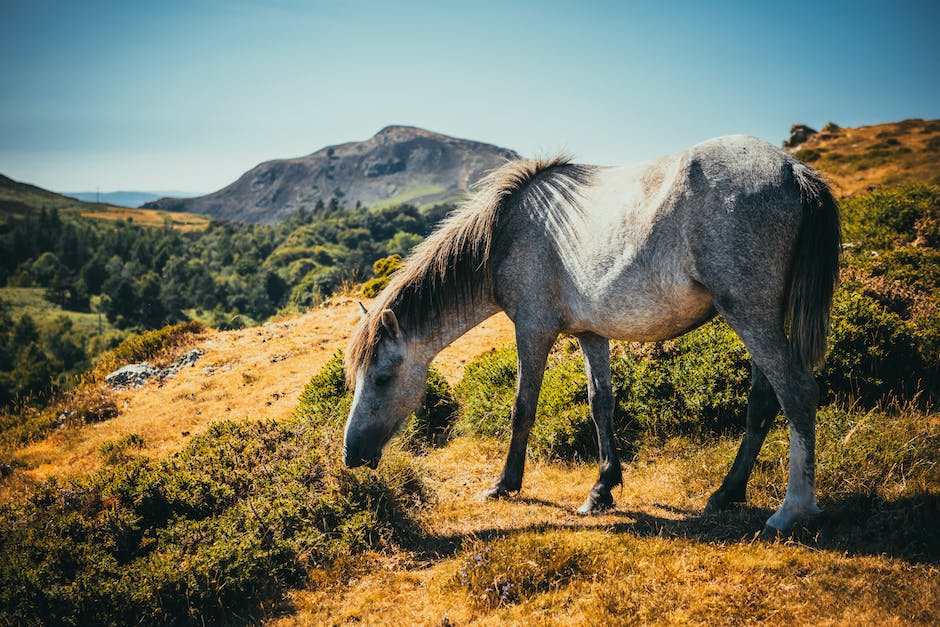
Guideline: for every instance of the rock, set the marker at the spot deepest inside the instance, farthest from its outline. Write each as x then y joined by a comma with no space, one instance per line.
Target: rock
186,359
132,375
799,133
135,375
831,127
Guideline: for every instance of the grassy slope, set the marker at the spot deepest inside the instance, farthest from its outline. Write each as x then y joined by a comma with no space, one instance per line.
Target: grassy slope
251,373
655,558
31,301
20,198
855,159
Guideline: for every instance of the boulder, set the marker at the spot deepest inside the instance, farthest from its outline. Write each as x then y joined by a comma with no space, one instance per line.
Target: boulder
132,375
799,133
135,375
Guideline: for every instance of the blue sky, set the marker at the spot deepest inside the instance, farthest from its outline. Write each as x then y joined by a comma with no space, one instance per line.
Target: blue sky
187,95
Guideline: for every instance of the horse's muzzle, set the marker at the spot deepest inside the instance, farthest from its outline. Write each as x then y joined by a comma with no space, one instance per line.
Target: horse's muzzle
353,458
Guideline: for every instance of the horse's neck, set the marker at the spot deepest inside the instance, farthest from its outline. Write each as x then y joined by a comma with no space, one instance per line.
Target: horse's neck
451,325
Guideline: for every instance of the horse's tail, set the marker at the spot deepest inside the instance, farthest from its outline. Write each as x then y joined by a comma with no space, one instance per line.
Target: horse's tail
814,272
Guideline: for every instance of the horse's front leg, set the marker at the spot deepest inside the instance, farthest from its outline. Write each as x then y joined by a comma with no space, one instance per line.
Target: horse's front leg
533,349
596,352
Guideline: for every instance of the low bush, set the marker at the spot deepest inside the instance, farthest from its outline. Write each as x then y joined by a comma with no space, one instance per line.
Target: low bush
891,216
431,424
116,451
513,569
873,354
217,532
697,383
325,397
485,393
383,269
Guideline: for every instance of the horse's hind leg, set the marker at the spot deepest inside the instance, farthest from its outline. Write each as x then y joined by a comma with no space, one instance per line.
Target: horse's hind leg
601,397
798,395
762,406
533,349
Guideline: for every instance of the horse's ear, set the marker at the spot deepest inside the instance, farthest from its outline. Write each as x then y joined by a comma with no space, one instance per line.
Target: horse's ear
365,312
390,323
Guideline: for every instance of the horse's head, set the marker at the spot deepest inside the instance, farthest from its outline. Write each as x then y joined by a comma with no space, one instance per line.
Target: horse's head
387,389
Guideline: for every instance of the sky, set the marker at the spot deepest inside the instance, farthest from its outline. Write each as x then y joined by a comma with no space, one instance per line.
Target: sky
189,94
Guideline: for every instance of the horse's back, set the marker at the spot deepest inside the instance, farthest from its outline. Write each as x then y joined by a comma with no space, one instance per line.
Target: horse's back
641,248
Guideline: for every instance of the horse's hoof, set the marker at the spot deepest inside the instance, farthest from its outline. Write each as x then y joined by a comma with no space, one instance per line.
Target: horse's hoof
722,499
596,503
496,492
784,518
771,534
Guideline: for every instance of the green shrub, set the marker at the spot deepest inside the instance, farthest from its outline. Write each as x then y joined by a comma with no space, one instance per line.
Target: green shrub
116,451
216,533
694,384
431,424
873,353
890,216
384,269
808,154
485,393
699,382
325,397
563,427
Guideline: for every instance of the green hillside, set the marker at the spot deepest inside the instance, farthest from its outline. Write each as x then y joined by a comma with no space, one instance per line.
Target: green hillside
140,269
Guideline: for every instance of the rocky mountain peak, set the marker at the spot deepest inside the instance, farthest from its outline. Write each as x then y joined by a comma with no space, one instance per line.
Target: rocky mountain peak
398,164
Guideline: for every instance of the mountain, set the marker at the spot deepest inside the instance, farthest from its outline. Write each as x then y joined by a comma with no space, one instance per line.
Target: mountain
125,199
399,164
17,197
858,159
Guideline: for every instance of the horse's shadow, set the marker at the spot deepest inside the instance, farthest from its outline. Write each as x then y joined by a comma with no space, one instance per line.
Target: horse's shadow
855,525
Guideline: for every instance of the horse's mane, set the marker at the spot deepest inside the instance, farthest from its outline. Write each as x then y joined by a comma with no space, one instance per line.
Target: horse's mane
450,268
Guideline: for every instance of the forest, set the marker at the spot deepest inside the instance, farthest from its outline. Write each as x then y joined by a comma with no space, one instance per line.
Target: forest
138,278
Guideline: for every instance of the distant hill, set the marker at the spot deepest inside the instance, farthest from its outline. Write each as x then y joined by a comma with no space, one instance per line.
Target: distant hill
125,199
399,164
23,199
17,197
857,159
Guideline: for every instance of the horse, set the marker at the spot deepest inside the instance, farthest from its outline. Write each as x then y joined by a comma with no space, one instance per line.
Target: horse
732,226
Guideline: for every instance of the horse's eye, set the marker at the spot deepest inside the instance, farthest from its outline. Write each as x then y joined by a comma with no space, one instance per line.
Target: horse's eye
382,379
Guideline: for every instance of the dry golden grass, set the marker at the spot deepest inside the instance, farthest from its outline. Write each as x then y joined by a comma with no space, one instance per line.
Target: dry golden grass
150,218
653,560
906,157
249,373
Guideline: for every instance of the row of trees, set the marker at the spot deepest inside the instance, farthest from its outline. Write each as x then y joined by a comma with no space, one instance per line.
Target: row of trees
143,278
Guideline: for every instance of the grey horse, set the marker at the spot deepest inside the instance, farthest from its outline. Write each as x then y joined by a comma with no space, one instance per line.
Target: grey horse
732,226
